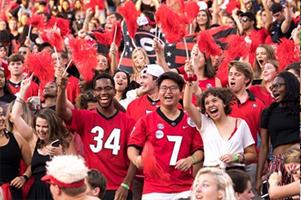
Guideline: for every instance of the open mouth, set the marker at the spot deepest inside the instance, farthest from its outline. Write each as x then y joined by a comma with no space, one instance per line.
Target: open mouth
276,96
104,100
261,61
232,84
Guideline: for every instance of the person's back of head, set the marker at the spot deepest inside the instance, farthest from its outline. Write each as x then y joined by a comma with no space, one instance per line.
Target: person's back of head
96,183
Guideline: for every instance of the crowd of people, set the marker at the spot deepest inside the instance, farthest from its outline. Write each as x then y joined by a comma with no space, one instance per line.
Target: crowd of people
149,99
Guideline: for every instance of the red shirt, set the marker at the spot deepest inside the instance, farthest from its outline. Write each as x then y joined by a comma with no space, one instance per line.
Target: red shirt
33,89
105,143
72,89
206,84
263,94
172,141
141,106
250,111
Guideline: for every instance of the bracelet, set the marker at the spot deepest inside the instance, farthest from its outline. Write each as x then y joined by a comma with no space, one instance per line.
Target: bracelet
124,185
193,159
25,177
235,158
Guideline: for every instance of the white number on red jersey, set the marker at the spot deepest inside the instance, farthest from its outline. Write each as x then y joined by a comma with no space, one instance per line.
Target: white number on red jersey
176,148
112,141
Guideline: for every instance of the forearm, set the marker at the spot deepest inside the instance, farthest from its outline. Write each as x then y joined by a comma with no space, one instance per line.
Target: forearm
61,104
197,156
263,154
280,192
130,174
133,153
249,158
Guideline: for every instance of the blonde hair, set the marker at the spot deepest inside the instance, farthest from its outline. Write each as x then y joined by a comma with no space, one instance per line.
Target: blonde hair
140,49
292,155
224,182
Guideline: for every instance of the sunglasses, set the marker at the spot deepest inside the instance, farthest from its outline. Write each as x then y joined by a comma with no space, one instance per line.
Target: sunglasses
244,19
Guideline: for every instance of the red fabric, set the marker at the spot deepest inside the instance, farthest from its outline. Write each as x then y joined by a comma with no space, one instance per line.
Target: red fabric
141,106
6,191
261,93
250,111
52,180
33,89
73,89
105,143
4,65
165,139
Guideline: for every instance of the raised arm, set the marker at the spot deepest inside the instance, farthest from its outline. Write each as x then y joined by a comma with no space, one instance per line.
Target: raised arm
62,108
187,99
21,126
285,26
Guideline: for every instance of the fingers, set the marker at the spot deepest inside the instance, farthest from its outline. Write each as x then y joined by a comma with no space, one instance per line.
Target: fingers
18,182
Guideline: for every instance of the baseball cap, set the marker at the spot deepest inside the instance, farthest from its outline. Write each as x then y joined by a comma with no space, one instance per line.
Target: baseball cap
67,176
276,7
142,20
153,69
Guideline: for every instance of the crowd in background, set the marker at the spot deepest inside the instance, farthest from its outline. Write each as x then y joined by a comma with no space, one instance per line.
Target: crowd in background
150,99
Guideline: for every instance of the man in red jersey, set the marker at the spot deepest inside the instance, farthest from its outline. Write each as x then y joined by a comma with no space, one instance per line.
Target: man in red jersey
104,132
247,106
149,101
16,68
176,142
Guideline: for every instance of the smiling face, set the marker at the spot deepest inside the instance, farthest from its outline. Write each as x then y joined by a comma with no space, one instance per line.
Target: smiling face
121,81
214,107
102,64
169,93
104,92
202,18
198,58
278,89
269,72
207,188
42,129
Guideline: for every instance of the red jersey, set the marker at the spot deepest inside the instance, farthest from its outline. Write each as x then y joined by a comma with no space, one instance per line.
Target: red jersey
263,94
206,84
33,89
105,142
72,89
172,141
141,106
250,111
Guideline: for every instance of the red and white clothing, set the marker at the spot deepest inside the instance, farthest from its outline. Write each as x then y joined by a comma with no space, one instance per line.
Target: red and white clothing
105,142
172,141
263,94
33,89
142,106
216,146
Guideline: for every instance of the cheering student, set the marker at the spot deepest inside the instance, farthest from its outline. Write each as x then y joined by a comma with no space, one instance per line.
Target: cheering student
177,145
104,133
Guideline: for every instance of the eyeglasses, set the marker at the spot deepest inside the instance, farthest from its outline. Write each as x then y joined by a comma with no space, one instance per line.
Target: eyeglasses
22,52
276,86
244,19
164,89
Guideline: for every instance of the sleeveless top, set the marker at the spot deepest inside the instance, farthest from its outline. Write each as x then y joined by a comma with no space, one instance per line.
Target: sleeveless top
10,156
38,163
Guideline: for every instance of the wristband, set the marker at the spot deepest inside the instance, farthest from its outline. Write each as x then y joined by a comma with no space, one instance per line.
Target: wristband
193,159
25,177
124,185
235,158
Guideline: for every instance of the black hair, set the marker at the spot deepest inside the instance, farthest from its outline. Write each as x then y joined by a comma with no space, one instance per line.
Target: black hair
209,16
294,66
15,58
102,76
6,89
128,77
44,45
223,93
97,179
240,179
171,76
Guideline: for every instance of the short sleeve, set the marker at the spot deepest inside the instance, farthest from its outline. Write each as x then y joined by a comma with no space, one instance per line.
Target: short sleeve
264,119
247,138
76,123
138,135
197,142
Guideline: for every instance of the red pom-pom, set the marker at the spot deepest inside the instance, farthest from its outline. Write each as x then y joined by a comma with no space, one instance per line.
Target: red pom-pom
54,38
287,53
191,10
84,57
118,36
41,65
62,24
172,24
37,21
93,3
207,45
130,14
176,5
103,38
233,4
150,164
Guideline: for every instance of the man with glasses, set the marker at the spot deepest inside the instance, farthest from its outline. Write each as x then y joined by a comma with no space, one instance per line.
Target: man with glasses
176,144
104,132
283,24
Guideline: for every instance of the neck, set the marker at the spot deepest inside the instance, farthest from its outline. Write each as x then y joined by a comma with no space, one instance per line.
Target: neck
153,94
81,196
249,31
170,112
200,74
118,95
16,79
222,120
50,101
242,95
109,111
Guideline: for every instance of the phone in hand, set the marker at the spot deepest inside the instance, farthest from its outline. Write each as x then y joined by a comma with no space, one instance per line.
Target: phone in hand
56,143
